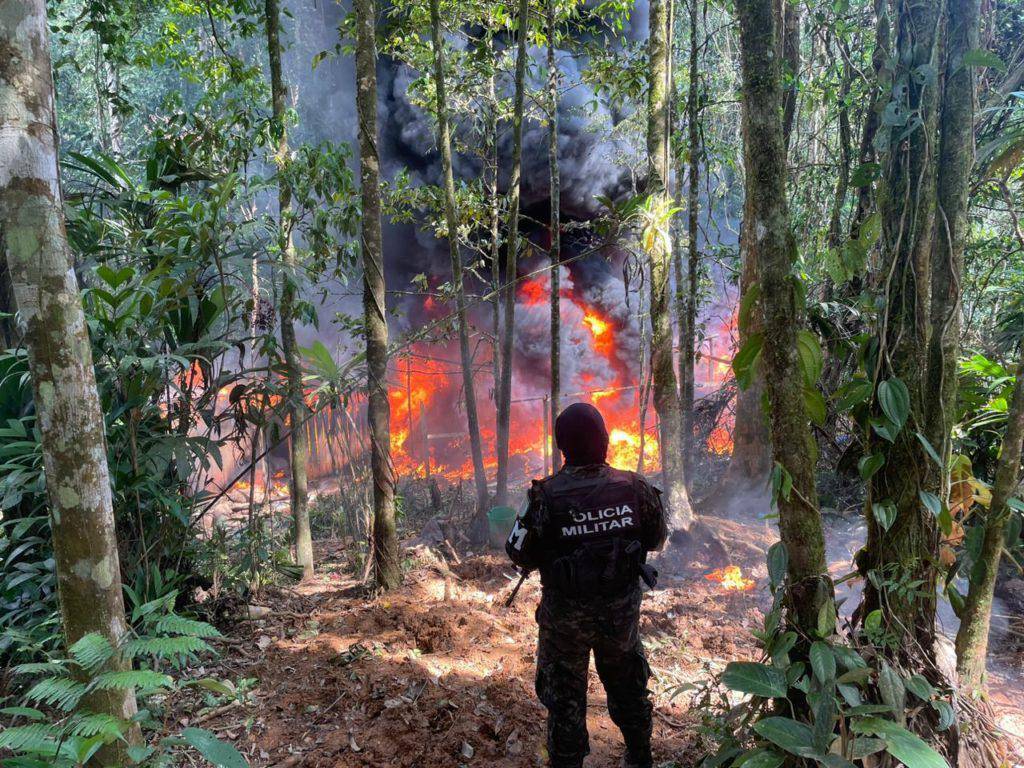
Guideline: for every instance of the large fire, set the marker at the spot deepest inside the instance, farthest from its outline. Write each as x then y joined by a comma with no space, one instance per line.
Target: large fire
731,578
429,433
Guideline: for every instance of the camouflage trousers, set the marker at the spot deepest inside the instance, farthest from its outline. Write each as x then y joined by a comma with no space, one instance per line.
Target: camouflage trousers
568,632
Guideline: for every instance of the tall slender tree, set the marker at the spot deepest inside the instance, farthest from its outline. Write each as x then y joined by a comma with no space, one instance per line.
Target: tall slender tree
504,394
692,287
67,406
555,225
976,615
809,587
955,165
444,143
296,407
386,567
666,393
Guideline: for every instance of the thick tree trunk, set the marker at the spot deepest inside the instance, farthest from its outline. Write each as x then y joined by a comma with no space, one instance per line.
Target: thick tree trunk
955,165
386,567
511,259
834,238
908,550
764,159
666,393
444,143
297,410
975,618
556,234
68,415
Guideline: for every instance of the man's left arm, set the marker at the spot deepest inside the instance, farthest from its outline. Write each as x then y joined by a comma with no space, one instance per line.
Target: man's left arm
653,521
524,545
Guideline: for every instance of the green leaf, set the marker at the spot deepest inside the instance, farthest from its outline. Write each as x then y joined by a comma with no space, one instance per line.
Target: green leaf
890,686
884,428
811,360
823,662
853,393
864,174
91,651
946,714
144,679
755,678
857,675
884,514
778,562
980,57
218,752
868,465
814,402
826,625
217,686
744,363
929,449
901,743
794,737
920,687
931,502
894,397
760,758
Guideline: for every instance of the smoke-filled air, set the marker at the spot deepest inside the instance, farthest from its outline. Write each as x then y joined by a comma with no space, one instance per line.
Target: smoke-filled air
512,383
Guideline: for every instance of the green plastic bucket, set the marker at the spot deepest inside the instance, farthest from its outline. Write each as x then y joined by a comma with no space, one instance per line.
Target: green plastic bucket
499,523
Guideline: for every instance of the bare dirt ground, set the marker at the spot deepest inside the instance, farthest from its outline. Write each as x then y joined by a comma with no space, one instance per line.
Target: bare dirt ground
440,673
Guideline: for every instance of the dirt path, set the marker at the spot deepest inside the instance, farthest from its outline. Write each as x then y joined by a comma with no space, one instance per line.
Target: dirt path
440,673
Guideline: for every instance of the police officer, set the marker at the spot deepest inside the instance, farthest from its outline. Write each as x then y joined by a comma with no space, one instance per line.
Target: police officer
588,529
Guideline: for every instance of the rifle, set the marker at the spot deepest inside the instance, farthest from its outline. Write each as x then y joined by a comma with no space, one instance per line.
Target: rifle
511,598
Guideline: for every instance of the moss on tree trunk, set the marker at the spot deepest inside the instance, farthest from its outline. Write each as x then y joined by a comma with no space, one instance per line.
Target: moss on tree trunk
45,290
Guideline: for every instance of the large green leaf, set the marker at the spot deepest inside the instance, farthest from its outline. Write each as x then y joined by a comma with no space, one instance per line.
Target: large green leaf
894,397
218,752
823,662
868,465
794,737
755,678
905,746
811,359
760,758
778,562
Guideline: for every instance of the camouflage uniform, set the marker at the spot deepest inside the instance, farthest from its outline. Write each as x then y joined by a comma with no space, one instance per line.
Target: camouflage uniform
602,616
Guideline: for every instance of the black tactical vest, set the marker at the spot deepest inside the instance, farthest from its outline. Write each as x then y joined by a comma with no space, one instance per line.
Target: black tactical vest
592,533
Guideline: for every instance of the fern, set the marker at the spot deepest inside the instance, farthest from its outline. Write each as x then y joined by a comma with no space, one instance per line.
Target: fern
165,647
61,692
143,679
89,725
178,625
92,651
40,668
37,738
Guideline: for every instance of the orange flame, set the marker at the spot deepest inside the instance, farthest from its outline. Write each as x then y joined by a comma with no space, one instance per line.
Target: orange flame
731,578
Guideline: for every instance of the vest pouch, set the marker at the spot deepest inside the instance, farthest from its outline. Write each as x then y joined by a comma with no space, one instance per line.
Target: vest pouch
598,569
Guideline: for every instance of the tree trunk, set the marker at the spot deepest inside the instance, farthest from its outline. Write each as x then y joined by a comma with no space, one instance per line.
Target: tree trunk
766,210
493,201
387,572
791,61
451,219
907,551
955,165
556,234
666,393
972,637
296,408
689,324
45,290
511,259
872,115
834,238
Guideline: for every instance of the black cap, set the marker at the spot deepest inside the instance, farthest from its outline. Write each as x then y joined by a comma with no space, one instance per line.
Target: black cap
581,435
